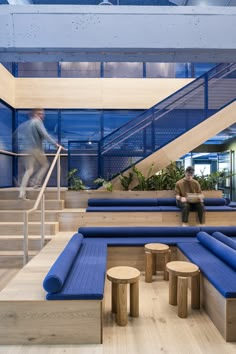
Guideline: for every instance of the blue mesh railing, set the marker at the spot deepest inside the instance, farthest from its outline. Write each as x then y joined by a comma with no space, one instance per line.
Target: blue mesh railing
167,120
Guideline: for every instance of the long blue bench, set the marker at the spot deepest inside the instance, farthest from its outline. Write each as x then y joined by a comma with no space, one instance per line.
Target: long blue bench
216,257
151,204
79,271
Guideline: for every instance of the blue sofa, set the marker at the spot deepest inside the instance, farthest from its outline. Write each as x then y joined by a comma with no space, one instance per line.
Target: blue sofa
152,204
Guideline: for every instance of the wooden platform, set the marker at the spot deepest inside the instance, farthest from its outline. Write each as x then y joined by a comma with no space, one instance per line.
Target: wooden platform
72,219
46,322
221,310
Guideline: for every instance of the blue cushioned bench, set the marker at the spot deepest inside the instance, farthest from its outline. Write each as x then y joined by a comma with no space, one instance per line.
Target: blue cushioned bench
126,244
79,271
152,204
216,257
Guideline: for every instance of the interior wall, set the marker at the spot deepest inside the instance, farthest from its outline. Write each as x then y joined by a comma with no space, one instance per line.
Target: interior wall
98,93
7,86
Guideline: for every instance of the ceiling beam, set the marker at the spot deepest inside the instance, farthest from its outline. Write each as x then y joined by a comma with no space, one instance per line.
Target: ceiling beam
117,33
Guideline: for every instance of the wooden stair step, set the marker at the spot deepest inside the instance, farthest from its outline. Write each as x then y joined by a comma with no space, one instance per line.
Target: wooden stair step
17,215
14,259
15,243
17,228
28,204
12,193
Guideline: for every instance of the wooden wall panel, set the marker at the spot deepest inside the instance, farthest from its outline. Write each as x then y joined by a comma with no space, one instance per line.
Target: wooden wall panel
7,86
94,93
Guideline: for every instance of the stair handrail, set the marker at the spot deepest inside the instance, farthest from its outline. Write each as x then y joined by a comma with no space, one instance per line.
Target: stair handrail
41,198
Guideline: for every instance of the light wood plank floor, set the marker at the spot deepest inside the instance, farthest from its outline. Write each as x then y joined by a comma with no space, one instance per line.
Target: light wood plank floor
157,330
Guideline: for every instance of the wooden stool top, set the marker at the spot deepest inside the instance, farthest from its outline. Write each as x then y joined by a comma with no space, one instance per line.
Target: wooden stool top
180,268
123,275
156,247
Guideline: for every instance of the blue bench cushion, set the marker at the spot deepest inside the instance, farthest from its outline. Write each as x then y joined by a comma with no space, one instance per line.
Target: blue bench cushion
140,242
225,239
122,202
57,275
86,279
215,201
219,208
166,202
224,252
219,274
142,231
227,230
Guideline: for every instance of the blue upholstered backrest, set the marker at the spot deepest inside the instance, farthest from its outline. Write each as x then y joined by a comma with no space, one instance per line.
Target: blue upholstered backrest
224,252
57,275
227,230
122,202
166,201
142,231
214,201
225,239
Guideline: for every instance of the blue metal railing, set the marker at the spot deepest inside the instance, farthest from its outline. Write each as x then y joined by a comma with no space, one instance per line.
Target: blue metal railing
167,120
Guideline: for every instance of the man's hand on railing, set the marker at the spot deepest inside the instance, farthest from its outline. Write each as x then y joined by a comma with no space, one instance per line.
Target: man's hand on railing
62,147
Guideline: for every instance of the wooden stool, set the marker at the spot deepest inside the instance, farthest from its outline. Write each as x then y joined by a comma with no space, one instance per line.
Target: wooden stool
120,277
151,250
178,286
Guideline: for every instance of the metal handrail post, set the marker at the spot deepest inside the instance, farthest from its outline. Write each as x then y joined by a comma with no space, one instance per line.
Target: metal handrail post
26,233
59,177
42,226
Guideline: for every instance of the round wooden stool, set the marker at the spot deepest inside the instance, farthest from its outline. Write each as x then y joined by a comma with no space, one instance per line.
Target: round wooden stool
120,277
179,272
151,250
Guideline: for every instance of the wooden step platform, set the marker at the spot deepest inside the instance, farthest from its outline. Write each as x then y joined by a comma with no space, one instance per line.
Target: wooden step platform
46,322
17,228
14,259
12,193
18,215
28,204
15,242
72,219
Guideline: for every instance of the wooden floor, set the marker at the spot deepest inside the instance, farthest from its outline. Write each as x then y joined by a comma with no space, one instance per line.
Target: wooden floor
157,330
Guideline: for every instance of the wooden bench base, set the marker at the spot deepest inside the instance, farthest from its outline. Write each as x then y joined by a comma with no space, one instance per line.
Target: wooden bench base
26,317
222,311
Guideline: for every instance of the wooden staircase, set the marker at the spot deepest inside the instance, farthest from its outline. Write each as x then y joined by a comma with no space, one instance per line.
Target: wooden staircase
12,227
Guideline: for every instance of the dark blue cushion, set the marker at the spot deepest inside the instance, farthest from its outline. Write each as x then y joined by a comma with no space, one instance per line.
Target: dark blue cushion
142,231
219,208
224,252
214,201
227,230
56,276
170,208
232,204
122,208
214,269
123,202
86,278
166,201
225,239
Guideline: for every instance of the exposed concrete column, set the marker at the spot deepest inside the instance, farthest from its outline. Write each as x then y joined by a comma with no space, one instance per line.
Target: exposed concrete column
117,33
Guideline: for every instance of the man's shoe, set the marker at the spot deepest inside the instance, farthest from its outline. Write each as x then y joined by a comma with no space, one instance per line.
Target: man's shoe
37,186
23,197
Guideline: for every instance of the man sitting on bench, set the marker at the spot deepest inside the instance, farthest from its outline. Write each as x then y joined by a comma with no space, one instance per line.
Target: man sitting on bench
189,196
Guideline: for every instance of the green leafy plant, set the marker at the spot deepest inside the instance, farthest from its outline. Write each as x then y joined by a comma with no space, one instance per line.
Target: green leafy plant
106,184
212,180
126,180
75,182
142,179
